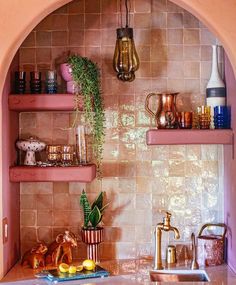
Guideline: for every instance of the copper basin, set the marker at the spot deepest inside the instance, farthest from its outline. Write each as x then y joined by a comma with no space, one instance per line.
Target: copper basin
179,276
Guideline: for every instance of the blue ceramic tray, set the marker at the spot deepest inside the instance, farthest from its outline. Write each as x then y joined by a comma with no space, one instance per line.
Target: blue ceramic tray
56,275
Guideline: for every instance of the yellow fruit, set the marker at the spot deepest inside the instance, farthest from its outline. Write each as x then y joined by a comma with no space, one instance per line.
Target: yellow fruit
63,267
79,268
72,269
89,264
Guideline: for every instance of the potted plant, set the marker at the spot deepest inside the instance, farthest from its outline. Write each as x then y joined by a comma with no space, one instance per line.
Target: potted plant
86,74
92,232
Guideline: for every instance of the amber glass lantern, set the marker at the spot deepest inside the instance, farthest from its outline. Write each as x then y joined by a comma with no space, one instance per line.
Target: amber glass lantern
125,60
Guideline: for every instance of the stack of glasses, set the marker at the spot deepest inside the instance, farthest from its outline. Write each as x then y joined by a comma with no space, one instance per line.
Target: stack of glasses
60,155
20,82
35,82
221,117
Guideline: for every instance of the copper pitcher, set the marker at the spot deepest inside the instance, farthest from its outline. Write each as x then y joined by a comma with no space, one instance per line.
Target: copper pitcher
165,113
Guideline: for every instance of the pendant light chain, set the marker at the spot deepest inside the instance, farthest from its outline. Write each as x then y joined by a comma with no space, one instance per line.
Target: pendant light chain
127,13
121,19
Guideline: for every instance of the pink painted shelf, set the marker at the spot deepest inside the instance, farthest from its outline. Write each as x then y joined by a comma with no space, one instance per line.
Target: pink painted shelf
85,173
174,137
41,102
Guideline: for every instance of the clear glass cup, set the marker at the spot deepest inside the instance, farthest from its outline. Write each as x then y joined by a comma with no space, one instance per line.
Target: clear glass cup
81,145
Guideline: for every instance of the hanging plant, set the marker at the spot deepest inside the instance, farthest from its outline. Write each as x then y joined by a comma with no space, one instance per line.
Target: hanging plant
87,75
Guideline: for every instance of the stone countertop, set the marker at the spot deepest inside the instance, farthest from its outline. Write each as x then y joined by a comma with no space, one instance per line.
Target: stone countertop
123,272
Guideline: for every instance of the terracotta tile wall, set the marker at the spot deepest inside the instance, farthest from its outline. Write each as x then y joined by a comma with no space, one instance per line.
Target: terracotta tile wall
175,55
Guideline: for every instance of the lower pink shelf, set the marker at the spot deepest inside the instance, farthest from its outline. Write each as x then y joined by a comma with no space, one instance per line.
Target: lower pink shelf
85,173
184,136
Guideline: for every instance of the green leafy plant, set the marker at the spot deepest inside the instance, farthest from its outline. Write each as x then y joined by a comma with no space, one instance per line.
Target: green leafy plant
87,75
92,213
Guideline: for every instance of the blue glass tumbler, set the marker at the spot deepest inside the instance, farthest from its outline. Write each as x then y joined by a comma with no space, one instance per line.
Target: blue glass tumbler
222,117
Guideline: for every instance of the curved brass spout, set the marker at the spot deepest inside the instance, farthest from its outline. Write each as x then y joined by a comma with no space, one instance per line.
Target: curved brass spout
176,232
165,226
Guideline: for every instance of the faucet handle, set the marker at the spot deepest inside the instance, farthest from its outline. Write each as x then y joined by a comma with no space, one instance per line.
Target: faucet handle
166,219
167,214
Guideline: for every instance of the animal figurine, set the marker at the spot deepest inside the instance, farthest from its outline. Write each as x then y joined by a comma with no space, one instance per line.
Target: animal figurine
61,249
35,256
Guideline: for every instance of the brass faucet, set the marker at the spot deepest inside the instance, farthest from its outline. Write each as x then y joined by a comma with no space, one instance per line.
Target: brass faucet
194,263
165,226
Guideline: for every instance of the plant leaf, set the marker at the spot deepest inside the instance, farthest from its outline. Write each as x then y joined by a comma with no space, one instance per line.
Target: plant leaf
84,203
104,207
99,201
95,217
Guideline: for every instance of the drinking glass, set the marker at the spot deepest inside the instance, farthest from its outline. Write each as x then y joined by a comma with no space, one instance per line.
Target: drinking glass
81,146
184,120
51,82
204,117
67,155
35,82
222,117
20,82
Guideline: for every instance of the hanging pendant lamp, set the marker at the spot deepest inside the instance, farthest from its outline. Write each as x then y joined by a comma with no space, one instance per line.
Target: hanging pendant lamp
125,60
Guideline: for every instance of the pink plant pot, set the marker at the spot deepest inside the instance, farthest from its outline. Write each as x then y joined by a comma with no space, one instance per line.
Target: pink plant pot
66,72
72,87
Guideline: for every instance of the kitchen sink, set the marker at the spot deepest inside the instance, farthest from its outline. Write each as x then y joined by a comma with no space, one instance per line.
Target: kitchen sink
179,275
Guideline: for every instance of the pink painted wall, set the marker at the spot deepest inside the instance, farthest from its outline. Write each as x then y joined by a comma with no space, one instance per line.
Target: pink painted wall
230,170
11,191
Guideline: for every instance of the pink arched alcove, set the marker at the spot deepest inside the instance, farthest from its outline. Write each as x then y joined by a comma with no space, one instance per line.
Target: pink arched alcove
18,18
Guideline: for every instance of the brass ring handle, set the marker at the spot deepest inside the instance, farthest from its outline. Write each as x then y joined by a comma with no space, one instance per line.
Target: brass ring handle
213,225
147,104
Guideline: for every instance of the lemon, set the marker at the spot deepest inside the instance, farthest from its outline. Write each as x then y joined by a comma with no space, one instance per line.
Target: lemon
79,268
72,269
89,264
63,267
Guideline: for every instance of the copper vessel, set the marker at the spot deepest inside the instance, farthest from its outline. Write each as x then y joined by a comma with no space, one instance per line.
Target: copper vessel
210,250
165,113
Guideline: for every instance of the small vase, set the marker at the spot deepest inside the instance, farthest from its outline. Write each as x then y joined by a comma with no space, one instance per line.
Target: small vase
92,237
215,90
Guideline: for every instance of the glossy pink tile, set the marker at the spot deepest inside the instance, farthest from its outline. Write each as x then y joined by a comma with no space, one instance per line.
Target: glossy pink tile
139,180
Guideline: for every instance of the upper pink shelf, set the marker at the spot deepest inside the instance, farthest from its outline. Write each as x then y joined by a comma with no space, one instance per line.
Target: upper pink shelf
85,173
184,136
41,102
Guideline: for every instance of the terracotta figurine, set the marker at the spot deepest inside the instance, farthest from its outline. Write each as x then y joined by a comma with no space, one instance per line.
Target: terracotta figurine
61,249
35,257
